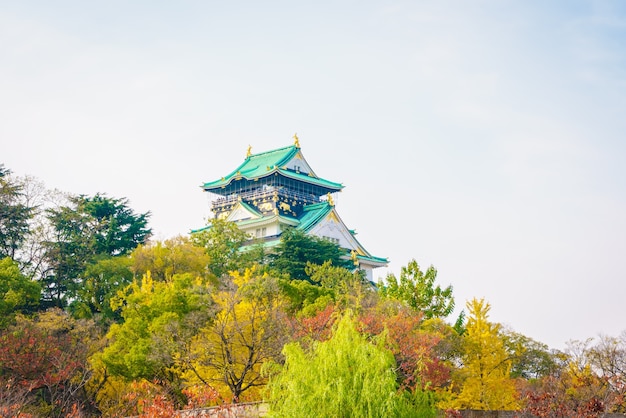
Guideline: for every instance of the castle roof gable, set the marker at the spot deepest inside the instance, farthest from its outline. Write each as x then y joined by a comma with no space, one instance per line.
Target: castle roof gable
287,161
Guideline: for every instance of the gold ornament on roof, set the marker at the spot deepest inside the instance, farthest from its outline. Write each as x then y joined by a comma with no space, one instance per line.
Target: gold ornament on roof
329,198
354,258
296,141
249,153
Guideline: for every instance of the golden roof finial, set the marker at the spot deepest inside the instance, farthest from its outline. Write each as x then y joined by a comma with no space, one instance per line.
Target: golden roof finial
249,153
353,256
296,141
330,199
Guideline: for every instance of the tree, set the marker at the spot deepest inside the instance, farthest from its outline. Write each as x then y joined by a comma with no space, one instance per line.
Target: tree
346,376
297,249
345,288
530,359
160,318
16,291
485,376
249,330
608,358
91,227
588,382
14,215
304,298
118,229
223,243
47,357
417,290
164,259
32,252
102,280
418,365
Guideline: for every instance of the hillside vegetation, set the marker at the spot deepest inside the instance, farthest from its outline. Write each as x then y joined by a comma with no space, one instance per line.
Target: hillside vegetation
97,319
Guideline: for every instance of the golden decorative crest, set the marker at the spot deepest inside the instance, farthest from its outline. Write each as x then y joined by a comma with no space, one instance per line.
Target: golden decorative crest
354,258
249,153
296,141
330,199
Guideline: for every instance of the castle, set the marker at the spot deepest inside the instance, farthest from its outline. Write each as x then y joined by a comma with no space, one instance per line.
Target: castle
277,189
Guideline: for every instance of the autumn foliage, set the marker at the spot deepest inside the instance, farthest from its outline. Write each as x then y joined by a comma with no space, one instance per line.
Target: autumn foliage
99,321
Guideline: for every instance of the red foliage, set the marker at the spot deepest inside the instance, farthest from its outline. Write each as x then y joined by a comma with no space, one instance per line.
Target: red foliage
148,400
452,413
35,359
562,396
158,407
412,348
549,405
317,327
41,362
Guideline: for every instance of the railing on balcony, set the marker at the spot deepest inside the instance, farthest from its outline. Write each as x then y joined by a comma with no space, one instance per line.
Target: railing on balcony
263,193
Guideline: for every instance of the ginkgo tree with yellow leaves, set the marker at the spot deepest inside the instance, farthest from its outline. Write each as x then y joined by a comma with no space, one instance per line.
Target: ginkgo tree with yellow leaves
485,377
249,329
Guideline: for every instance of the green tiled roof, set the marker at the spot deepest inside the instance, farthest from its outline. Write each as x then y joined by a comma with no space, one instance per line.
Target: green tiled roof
312,214
266,163
374,259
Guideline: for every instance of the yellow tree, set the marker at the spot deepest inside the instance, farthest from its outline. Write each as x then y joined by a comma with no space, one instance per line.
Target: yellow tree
163,259
486,382
249,330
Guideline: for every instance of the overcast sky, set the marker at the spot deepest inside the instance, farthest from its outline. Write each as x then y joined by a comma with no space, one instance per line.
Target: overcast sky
483,137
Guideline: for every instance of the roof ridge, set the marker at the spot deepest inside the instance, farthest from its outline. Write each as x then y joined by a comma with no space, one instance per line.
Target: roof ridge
271,151
311,206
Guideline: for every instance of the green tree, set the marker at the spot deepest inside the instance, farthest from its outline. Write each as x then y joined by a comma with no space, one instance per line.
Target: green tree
417,290
160,318
223,243
486,382
345,376
120,229
14,215
305,298
350,289
16,291
102,280
297,249
530,359
91,228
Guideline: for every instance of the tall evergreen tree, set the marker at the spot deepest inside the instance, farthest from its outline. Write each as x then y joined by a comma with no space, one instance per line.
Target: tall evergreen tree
89,229
297,249
14,215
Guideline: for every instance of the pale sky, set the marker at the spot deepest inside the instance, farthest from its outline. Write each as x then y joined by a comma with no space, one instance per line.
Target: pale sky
485,138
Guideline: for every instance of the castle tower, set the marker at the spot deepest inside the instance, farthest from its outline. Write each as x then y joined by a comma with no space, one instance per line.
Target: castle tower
277,189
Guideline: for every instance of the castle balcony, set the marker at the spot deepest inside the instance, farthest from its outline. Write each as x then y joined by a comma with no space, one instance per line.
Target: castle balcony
266,193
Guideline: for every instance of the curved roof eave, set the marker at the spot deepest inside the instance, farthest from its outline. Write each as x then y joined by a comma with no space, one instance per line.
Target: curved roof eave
256,162
315,180
257,166
225,182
